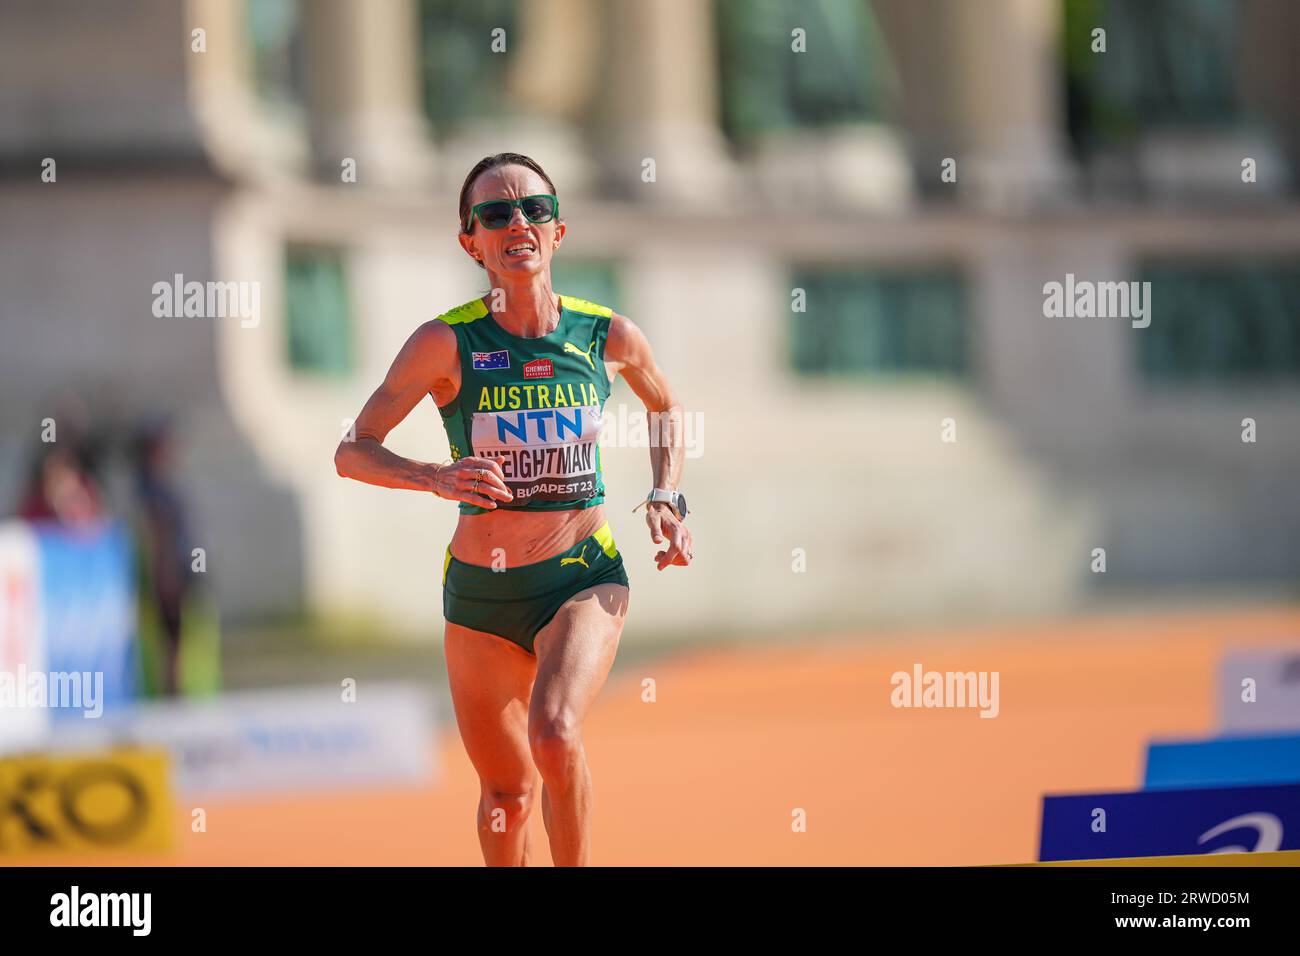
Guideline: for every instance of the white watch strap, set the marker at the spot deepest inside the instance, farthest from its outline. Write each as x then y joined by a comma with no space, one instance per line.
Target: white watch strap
656,496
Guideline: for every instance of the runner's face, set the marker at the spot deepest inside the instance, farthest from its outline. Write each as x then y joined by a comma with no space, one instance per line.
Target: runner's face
522,247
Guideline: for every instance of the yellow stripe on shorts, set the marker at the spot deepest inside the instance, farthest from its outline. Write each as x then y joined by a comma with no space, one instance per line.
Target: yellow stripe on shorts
605,538
446,563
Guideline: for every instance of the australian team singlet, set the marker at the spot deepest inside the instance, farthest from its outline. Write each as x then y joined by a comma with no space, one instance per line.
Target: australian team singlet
535,402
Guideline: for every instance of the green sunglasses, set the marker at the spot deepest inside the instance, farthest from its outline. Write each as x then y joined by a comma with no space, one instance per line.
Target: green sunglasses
497,213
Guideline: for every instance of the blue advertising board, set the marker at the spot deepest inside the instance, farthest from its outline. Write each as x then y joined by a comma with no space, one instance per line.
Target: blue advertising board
1170,822
1224,761
87,589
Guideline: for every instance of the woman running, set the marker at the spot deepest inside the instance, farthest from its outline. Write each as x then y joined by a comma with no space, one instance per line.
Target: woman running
534,591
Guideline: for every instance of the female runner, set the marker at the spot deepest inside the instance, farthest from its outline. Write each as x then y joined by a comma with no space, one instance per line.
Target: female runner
534,590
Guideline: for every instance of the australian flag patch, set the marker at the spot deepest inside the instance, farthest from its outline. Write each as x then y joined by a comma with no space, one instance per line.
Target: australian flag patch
492,359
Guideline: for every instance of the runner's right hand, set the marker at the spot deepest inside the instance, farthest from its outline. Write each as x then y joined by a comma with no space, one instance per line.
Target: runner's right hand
456,482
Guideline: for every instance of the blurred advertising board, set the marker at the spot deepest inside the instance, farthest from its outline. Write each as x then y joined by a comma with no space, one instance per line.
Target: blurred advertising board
1279,858
22,636
67,627
110,800
282,739
1224,761
1260,691
1170,822
88,606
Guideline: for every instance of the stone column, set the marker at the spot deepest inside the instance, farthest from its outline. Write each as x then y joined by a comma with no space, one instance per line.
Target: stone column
553,63
237,132
661,102
364,78
1008,99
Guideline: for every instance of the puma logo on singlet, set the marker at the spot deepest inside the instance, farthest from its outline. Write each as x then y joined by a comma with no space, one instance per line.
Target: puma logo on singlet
570,347
579,559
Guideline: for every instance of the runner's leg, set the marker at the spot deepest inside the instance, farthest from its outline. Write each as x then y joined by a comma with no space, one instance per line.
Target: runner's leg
574,654
491,680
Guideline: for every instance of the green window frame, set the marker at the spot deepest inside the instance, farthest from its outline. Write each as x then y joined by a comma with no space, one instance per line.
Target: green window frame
842,77
461,78
873,321
1215,322
319,337
277,53
1168,64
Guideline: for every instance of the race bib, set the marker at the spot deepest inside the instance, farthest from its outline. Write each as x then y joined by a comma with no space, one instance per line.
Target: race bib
549,454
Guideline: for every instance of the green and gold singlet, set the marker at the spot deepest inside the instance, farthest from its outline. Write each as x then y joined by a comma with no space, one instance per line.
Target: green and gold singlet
535,402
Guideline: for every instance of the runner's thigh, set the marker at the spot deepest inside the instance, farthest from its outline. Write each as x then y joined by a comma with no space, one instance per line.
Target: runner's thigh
491,680
575,652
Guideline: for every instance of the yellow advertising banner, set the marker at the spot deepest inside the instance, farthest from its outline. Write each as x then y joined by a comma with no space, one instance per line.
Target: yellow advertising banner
110,800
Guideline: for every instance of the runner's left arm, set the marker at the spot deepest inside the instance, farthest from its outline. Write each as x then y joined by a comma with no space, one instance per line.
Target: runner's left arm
628,352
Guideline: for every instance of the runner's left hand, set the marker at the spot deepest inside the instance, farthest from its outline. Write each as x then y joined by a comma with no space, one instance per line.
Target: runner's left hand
665,525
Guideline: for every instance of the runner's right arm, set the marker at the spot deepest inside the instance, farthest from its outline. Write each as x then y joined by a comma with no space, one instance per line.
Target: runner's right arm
428,364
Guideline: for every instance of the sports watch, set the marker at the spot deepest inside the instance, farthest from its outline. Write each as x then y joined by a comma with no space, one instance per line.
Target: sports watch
675,500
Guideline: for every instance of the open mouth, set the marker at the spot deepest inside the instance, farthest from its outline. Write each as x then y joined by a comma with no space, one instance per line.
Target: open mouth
520,250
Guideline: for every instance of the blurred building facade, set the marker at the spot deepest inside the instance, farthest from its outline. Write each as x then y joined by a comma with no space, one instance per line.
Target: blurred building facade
835,221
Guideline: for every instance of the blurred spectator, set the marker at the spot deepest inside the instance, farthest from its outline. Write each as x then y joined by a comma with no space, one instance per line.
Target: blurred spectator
61,490
163,538
61,485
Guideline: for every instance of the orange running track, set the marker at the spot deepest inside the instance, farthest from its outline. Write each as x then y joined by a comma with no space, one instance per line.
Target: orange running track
738,738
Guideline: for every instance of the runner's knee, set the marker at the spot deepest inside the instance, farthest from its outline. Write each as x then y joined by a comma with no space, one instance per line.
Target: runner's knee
556,743
505,807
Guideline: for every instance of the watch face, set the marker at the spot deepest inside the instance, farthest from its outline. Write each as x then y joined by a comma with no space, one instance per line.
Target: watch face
681,505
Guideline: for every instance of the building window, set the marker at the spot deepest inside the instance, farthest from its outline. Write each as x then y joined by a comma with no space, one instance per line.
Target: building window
877,321
463,79
1221,323
317,312
1168,63
588,279
767,86
276,41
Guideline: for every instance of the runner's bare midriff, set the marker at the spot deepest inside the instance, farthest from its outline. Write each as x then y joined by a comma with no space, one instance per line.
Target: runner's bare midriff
525,537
